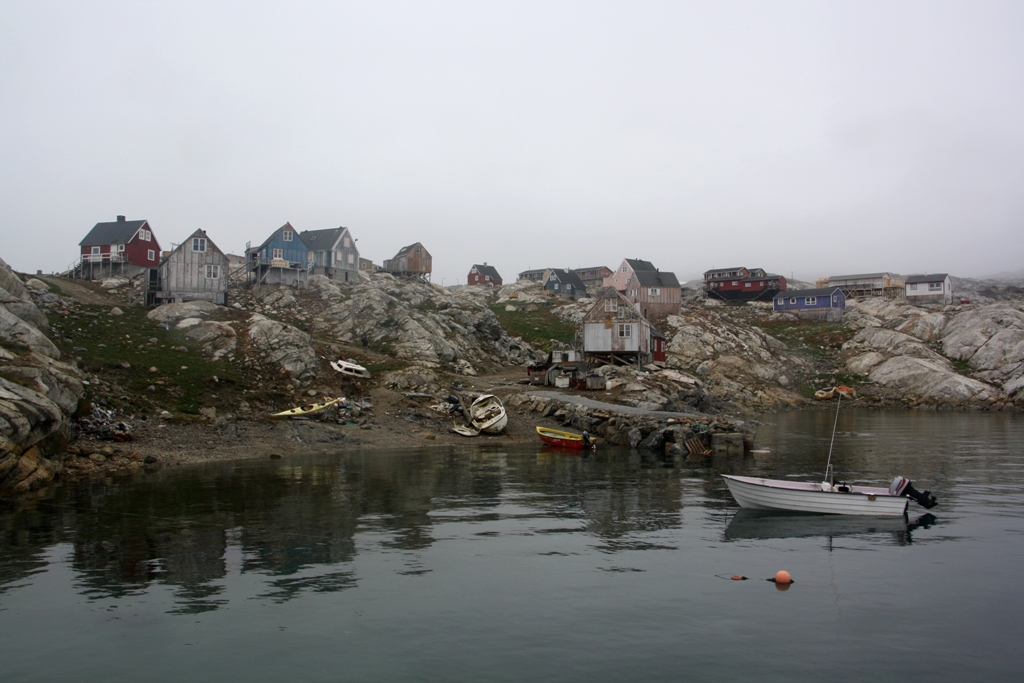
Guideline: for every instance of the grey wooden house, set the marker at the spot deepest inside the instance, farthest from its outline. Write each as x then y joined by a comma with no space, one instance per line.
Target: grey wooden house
195,271
614,331
333,253
412,261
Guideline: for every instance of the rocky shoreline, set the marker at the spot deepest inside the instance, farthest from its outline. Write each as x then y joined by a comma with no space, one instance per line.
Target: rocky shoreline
92,384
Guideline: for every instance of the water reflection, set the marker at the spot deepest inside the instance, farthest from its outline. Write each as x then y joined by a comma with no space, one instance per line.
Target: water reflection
301,523
764,524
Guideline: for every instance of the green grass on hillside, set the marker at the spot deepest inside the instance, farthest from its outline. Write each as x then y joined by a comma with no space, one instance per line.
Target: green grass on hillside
537,328
121,350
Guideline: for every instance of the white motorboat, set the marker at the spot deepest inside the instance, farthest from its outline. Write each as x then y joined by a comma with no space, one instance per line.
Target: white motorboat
347,367
825,497
829,496
488,414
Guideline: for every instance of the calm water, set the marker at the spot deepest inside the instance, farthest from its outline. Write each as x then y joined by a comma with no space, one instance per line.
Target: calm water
517,564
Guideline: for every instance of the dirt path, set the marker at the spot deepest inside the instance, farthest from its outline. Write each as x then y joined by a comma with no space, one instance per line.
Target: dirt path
81,293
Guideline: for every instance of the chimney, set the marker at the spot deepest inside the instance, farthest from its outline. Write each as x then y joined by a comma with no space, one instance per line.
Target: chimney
120,219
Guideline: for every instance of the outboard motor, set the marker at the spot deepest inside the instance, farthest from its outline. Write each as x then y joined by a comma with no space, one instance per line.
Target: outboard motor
901,486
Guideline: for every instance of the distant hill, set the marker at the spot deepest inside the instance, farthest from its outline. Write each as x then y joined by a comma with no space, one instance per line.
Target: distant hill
1007,275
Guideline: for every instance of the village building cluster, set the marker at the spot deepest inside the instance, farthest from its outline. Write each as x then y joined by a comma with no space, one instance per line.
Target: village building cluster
620,327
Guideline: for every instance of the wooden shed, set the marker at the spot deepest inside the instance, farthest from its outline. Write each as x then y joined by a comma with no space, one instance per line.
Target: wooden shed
614,331
195,271
411,261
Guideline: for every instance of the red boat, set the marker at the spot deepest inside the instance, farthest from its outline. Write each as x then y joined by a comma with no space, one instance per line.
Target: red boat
560,439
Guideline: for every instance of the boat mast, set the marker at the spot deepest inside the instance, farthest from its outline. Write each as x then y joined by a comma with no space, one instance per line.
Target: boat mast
828,466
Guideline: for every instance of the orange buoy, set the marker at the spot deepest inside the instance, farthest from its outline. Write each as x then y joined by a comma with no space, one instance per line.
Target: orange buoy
782,576
737,577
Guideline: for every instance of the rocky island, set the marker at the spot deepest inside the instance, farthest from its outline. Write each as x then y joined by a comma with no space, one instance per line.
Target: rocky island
91,381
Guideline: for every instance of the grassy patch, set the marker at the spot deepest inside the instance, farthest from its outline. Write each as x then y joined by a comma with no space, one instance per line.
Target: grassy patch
131,352
537,327
962,366
818,337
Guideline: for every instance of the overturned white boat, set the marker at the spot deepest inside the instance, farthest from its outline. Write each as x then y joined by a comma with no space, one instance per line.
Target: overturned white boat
826,497
488,415
347,367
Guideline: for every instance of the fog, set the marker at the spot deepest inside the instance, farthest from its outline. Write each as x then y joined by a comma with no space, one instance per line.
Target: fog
809,139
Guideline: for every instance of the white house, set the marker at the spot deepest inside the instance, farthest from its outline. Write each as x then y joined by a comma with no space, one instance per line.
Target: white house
936,288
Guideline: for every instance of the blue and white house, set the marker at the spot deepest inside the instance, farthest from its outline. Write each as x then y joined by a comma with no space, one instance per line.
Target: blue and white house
826,303
281,260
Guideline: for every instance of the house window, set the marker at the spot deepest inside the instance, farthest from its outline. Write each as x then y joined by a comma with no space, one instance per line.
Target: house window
120,247
345,242
793,300
811,301
610,305
913,286
151,255
287,235
625,330
654,291
557,286
623,269
746,284
278,253
734,283
145,235
198,244
212,272
95,250
351,259
934,286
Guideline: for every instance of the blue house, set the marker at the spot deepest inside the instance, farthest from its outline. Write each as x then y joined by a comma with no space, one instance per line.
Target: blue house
563,283
281,260
827,303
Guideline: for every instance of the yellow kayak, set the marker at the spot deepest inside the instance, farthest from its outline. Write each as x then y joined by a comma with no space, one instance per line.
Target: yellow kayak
308,409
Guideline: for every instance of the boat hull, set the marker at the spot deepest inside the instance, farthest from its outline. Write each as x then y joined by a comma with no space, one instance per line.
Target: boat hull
488,414
560,439
797,496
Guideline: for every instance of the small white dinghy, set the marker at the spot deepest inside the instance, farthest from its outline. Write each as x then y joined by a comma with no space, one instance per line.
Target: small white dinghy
829,496
347,367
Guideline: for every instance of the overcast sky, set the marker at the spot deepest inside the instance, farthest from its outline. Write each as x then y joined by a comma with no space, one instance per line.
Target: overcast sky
806,138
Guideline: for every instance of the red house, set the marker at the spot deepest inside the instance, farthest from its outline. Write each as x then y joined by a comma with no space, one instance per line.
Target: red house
120,247
743,284
484,275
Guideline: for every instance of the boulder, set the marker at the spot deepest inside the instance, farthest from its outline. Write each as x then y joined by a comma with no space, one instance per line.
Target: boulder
217,339
991,339
185,309
285,347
